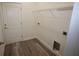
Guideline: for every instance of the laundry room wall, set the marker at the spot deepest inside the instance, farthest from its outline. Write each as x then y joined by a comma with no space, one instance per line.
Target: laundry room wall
51,23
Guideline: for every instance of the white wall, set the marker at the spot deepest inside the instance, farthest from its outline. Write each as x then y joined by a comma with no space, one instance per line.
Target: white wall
34,6
72,48
1,35
28,24
1,40
48,30
52,24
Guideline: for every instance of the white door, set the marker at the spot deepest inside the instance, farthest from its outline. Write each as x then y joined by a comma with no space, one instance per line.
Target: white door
12,23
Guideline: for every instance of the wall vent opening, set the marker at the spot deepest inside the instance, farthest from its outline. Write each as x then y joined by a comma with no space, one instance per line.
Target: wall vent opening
56,46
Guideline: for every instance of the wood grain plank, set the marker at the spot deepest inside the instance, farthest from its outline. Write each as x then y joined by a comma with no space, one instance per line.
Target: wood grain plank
27,48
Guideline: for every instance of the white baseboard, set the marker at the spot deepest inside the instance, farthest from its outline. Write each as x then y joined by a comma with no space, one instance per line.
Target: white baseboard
49,47
27,38
44,43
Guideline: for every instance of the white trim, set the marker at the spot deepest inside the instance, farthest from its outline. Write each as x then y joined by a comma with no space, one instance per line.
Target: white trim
27,38
44,43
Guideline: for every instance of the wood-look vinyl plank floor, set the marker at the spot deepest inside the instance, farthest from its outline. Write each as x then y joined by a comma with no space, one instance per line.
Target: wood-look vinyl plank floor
26,48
